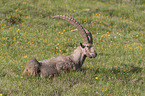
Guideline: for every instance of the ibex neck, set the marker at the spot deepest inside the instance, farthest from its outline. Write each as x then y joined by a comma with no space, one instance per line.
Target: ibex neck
78,57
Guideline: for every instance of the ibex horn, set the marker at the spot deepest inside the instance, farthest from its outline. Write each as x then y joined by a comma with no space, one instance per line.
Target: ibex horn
87,36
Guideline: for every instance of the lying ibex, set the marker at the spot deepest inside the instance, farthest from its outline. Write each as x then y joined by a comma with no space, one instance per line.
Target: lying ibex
63,63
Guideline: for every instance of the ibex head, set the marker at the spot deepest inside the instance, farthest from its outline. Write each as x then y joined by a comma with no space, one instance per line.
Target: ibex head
87,46
88,50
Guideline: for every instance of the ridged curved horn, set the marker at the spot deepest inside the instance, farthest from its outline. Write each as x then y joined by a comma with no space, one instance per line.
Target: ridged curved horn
87,36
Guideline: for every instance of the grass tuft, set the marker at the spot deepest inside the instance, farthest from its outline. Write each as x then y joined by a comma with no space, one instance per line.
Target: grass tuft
28,31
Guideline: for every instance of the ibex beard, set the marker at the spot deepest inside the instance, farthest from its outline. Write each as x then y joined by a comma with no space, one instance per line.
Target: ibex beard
64,63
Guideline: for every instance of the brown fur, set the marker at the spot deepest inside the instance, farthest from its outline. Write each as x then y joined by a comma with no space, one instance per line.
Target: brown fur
32,68
49,67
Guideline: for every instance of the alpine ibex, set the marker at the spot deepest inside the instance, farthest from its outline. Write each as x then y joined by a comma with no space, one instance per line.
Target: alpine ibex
63,63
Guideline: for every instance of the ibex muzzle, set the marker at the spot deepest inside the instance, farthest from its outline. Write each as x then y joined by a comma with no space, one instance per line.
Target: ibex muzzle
64,63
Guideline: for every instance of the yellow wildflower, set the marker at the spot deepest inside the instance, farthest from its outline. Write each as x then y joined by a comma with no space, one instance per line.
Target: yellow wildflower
25,56
96,78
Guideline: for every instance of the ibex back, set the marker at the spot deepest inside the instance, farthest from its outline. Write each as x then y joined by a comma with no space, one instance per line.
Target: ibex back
63,63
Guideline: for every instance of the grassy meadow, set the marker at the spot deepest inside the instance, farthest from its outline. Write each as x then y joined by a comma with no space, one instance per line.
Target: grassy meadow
28,31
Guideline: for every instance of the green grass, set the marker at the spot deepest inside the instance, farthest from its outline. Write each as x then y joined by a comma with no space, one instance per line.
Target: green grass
28,31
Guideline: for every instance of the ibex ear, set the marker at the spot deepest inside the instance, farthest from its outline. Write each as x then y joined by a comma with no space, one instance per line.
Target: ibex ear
82,45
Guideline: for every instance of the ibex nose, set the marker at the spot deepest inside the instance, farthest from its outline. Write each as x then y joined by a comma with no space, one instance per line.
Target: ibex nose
94,55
